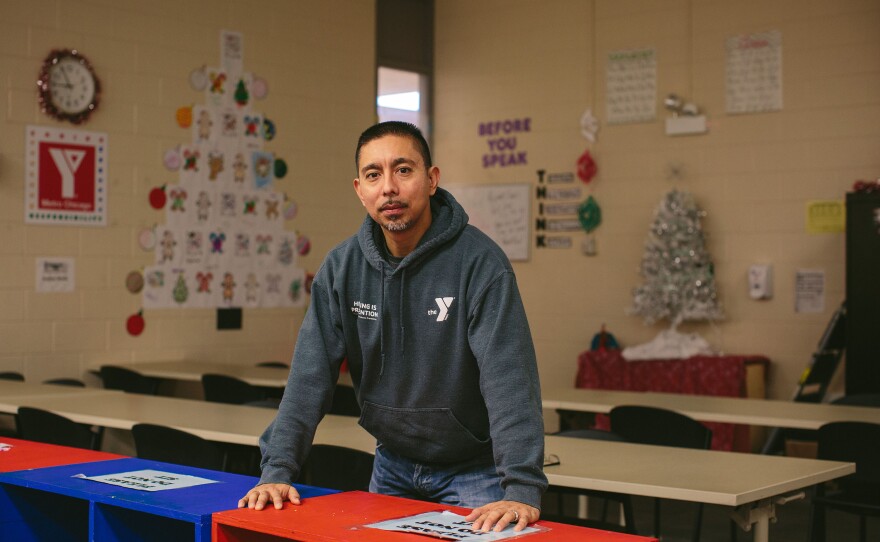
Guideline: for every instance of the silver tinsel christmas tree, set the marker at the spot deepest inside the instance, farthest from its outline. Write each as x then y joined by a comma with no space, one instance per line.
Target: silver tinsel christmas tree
679,274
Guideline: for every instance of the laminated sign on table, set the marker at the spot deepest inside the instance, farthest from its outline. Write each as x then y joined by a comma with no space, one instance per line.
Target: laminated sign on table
446,525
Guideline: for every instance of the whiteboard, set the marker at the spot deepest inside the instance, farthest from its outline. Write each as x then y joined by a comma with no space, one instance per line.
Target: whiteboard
501,211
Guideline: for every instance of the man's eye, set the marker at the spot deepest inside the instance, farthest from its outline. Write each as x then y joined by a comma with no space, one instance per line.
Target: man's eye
405,169
372,175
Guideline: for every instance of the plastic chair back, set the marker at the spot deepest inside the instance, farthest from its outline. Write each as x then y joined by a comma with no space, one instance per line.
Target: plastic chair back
161,443
660,427
72,382
337,467
128,380
345,402
43,426
220,388
857,442
859,399
275,364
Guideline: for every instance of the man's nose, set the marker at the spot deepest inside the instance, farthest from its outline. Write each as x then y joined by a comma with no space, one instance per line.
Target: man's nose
389,185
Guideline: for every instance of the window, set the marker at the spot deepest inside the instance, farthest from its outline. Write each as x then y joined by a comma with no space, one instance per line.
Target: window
403,95
405,61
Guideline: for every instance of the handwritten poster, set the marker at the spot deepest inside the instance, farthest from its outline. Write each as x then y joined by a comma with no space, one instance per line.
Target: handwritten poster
500,211
753,74
631,86
445,526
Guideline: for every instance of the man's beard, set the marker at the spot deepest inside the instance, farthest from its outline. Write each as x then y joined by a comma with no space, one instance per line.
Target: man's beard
397,226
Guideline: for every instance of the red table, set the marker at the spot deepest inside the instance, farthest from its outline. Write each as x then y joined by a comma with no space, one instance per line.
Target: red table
698,375
341,517
26,454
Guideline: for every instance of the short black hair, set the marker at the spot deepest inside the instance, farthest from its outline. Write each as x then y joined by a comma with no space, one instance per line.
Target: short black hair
398,128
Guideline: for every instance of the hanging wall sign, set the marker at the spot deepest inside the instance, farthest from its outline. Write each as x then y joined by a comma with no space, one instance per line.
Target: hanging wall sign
65,177
502,139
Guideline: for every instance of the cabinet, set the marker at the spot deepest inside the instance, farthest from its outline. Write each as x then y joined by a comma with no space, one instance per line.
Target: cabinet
862,293
341,518
56,503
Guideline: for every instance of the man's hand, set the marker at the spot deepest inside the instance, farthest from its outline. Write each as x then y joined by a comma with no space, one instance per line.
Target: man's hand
260,495
501,514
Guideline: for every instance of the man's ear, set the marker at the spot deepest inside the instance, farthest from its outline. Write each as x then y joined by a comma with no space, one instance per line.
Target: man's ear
357,189
434,178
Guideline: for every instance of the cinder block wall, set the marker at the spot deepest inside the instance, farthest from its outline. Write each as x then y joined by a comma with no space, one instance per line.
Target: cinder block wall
318,58
753,174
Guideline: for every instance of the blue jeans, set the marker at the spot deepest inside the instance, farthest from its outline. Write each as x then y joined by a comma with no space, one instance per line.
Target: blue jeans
469,484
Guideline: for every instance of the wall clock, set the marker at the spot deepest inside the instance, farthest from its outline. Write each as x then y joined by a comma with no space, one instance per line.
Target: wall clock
69,88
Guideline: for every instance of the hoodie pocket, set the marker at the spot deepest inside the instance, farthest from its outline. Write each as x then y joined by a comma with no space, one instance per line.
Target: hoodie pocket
427,435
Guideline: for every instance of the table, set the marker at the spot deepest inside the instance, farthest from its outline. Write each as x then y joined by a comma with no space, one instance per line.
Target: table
192,371
26,454
736,410
237,424
726,478
753,484
12,391
340,517
54,504
724,376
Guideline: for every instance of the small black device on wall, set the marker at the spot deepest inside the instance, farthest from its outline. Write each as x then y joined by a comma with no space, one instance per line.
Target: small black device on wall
229,318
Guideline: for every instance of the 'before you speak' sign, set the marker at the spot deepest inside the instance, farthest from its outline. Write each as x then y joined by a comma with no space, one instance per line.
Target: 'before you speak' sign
502,137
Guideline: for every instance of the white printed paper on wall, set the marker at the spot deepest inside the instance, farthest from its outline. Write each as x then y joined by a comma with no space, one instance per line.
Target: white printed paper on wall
55,275
809,287
753,74
631,86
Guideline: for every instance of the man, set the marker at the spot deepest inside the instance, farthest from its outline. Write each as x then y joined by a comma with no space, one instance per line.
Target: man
427,312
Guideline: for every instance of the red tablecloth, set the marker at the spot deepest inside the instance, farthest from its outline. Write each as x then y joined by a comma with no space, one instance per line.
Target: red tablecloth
697,375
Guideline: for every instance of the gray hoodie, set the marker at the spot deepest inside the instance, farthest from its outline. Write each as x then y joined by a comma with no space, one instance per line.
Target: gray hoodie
439,350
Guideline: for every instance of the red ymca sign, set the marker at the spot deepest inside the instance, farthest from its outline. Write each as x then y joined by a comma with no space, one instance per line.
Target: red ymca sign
66,172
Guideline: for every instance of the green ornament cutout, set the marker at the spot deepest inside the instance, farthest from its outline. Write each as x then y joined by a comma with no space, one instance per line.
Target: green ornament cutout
589,214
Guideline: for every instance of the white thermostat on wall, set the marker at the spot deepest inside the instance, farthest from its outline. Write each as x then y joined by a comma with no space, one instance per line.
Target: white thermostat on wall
761,281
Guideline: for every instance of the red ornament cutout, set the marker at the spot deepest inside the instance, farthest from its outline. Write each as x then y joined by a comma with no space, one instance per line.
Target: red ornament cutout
135,324
158,198
586,167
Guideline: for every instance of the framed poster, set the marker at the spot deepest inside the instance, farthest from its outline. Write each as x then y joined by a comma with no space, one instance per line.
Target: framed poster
65,176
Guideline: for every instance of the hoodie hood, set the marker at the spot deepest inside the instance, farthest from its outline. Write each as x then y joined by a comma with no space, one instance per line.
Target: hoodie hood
448,219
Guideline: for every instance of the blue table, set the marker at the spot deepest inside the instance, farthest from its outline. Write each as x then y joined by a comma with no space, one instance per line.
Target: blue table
52,504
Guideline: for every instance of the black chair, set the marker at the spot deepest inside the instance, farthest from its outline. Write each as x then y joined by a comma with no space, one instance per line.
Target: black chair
622,499
220,388
273,392
43,426
12,375
859,399
162,443
345,402
858,493
273,364
661,427
337,467
128,380
72,382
